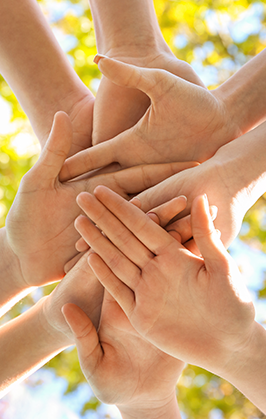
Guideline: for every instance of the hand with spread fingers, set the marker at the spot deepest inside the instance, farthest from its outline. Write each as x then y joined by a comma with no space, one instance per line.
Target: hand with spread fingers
157,283
40,224
122,367
184,122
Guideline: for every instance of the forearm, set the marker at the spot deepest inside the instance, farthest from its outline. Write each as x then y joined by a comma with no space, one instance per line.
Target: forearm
248,369
244,93
34,65
12,285
242,164
123,24
26,344
168,409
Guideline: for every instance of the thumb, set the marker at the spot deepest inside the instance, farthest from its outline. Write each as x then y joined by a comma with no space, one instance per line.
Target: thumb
145,79
86,337
205,235
56,148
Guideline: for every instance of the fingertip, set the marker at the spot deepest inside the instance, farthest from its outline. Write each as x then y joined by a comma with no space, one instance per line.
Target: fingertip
136,201
154,217
98,57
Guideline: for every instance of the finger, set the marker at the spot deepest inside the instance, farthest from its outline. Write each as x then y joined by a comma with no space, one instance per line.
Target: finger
71,263
147,80
205,234
148,233
86,338
87,160
142,177
56,149
122,267
124,296
192,247
169,210
122,238
183,225
81,245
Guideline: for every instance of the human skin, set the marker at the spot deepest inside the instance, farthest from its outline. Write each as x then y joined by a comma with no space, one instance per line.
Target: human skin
167,129
129,31
40,74
40,223
188,314
33,338
122,367
234,178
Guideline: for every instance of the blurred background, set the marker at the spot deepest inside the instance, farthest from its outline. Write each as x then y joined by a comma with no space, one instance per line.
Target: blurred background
216,37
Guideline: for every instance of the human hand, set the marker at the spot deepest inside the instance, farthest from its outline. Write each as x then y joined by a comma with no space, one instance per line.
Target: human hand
163,216
80,287
40,224
123,107
122,367
167,131
209,288
81,115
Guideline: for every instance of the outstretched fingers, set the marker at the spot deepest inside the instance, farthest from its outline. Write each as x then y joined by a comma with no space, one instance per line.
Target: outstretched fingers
120,236
124,296
148,233
122,267
136,179
87,160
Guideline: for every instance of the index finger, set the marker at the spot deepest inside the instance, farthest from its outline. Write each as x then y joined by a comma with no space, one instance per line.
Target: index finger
148,232
87,160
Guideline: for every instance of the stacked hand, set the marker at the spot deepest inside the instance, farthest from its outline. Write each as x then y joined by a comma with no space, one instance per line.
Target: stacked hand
123,107
40,224
182,303
167,132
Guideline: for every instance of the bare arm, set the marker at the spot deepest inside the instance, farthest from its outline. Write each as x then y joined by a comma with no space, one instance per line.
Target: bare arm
244,94
39,73
129,31
12,286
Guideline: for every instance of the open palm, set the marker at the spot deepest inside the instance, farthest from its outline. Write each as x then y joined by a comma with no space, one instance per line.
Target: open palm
121,366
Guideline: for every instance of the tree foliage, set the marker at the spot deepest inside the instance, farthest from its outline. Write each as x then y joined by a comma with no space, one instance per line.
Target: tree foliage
217,37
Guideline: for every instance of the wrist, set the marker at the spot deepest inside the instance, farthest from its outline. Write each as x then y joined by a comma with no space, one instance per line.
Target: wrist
242,96
242,165
154,409
126,26
54,335
13,285
247,369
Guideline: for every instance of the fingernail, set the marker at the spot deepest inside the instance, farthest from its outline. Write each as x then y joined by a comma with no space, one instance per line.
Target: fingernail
98,57
154,217
136,201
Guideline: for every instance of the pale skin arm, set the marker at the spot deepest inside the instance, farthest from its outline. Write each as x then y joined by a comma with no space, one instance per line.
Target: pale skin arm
129,31
209,288
40,74
167,130
26,344
234,178
243,93
12,287
30,340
